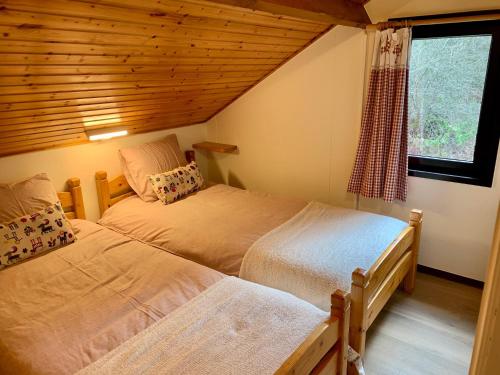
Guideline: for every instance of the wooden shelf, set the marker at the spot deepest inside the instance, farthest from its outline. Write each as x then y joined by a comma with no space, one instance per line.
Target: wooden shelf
215,147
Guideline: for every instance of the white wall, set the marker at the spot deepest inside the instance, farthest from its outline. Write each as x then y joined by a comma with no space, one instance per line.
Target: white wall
458,222
84,160
297,132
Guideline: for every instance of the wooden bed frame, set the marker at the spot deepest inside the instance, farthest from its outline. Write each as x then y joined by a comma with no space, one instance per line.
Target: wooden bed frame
72,200
323,352
370,289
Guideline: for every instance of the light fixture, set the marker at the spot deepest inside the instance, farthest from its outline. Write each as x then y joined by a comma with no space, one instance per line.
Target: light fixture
96,121
102,134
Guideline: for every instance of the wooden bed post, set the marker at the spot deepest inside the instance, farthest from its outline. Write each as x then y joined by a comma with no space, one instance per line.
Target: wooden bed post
416,223
328,341
103,196
76,194
359,297
341,308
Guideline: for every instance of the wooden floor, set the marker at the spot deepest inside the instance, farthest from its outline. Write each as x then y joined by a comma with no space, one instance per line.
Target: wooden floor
429,332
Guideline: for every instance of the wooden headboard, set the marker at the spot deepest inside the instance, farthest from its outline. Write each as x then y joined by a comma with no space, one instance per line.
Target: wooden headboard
72,200
111,192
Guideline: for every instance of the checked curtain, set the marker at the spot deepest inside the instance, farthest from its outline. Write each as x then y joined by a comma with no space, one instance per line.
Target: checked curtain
381,166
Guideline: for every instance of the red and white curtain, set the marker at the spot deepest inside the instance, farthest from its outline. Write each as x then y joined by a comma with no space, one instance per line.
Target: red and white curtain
381,166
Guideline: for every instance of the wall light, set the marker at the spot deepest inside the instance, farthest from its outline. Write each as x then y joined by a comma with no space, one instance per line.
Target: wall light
102,134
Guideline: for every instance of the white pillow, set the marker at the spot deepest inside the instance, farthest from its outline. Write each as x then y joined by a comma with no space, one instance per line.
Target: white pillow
147,159
173,185
24,197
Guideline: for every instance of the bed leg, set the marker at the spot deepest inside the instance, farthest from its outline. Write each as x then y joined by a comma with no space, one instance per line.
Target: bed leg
341,309
359,306
416,223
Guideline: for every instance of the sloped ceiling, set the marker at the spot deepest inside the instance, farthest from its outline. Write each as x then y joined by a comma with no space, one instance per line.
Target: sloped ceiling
67,66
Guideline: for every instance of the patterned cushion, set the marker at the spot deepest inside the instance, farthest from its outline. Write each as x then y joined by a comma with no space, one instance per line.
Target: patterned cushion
173,185
30,235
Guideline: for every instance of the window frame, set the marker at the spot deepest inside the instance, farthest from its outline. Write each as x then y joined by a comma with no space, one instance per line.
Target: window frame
481,170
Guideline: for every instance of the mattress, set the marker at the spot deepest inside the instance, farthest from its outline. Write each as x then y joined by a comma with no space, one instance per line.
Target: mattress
62,311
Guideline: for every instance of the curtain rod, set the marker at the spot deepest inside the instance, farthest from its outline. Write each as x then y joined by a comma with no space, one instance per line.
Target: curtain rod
435,21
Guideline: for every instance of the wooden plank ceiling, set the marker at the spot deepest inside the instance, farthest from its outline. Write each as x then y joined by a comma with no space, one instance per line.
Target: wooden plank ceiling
140,65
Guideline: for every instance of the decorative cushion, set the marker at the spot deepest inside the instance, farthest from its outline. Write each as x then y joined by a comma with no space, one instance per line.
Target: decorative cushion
24,197
30,235
173,185
149,159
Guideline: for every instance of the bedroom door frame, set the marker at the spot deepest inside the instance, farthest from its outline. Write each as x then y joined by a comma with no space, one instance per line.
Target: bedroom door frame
484,356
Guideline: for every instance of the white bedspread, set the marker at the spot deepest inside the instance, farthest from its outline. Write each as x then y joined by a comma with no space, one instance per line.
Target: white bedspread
316,251
233,327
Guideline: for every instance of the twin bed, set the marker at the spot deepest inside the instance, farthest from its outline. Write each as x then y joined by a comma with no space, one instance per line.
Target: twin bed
108,304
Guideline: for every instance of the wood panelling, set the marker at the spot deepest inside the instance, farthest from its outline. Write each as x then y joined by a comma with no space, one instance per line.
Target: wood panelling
141,65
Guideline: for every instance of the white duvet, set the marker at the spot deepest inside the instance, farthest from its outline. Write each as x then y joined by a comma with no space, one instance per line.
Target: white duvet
233,327
315,252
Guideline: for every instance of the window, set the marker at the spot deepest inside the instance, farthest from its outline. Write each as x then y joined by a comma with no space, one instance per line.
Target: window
454,102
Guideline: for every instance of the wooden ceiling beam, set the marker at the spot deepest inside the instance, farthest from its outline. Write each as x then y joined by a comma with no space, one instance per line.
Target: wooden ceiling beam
334,12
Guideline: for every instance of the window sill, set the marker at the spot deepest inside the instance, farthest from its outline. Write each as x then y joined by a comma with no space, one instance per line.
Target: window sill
451,178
